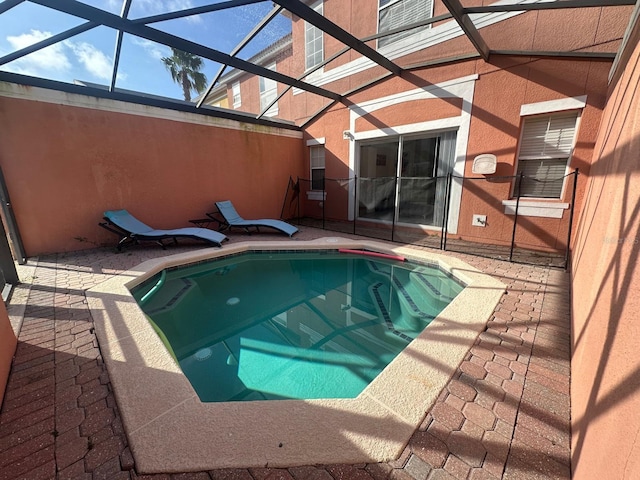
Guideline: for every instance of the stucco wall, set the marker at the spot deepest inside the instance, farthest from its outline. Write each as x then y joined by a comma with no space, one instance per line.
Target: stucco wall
7,348
605,369
495,124
67,158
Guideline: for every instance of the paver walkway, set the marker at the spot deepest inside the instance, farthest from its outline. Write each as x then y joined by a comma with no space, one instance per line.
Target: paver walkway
504,414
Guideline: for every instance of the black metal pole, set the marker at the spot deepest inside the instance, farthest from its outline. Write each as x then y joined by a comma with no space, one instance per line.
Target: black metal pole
395,195
324,200
355,202
298,202
444,210
573,202
515,218
445,221
7,266
12,225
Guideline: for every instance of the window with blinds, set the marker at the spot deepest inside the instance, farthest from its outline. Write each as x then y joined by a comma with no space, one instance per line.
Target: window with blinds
545,149
316,154
268,93
235,90
396,13
313,40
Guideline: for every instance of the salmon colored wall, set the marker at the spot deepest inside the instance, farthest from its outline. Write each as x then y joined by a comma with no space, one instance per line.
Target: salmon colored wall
605,365
495,128
421,111
64,165
7,348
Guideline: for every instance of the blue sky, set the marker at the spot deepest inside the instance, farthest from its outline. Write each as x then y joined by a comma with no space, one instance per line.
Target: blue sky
89,56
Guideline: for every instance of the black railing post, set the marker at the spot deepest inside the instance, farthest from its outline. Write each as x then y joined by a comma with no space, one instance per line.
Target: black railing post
515,217
573,202
395,207
324,200
355,202
298,202
444,209
445,220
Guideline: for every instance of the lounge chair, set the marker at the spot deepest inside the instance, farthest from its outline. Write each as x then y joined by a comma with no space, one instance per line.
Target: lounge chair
229,218
132,230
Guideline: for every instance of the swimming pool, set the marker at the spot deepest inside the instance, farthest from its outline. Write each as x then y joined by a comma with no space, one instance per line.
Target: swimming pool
303,324
169,429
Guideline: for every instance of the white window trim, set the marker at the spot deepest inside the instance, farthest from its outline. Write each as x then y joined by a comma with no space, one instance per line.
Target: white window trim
553,106
545,207
462,88
320,195
233,95
273,111
315,141
416,35
320,71
530,208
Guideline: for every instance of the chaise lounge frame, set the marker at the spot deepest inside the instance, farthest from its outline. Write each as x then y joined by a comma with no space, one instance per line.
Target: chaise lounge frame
133,231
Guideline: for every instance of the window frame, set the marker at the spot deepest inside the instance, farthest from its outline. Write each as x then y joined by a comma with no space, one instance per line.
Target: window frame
576,114
318,6
317,147
236,91
264,92
394,39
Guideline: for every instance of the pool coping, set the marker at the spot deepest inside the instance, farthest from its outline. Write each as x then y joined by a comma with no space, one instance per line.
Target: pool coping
170,430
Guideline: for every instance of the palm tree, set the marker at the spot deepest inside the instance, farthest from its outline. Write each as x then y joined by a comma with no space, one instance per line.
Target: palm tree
185,70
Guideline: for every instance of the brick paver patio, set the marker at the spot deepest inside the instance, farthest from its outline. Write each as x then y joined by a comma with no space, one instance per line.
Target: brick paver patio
504,414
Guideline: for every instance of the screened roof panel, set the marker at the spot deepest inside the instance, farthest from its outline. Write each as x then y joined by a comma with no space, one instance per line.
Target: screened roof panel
244,34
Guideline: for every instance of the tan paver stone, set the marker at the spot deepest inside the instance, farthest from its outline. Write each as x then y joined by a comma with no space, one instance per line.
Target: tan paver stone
479,415
456,467
470,450
429,448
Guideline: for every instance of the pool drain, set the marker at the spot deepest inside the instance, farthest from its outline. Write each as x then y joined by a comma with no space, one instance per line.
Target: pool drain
202,354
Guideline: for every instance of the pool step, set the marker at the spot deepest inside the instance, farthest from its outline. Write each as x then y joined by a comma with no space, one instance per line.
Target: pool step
175,292
419,293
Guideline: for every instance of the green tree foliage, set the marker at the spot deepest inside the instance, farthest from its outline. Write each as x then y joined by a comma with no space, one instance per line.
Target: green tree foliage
185,71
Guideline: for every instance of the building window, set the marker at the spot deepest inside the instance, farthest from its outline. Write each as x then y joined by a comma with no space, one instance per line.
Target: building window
316,154
268,93
313,41
393,14
235,90
545,148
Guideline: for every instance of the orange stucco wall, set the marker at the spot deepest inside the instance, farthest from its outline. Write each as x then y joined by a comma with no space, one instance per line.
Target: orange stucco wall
7,348
495,128
605,368
64,165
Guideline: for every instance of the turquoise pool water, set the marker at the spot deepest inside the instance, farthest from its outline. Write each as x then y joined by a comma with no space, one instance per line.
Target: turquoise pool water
303,325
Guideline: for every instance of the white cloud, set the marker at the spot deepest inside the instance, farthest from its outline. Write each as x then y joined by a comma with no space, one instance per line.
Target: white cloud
52,58
95,61
155,7
154,50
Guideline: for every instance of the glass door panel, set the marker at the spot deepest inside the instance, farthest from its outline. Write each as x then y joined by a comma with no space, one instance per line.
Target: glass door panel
417,190
377,180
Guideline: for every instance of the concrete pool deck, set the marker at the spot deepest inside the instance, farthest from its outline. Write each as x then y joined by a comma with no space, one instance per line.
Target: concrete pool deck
170,430
503,414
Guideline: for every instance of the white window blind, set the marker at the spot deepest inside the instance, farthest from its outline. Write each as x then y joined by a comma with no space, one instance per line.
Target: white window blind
394,14
313,40
268,93
316,154
235,90
545,149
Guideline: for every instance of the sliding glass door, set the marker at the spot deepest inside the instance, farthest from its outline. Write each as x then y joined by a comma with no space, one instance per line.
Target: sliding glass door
404,179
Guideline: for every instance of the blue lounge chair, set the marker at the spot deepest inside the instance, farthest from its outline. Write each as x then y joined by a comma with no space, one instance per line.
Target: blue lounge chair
131,230
229,218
